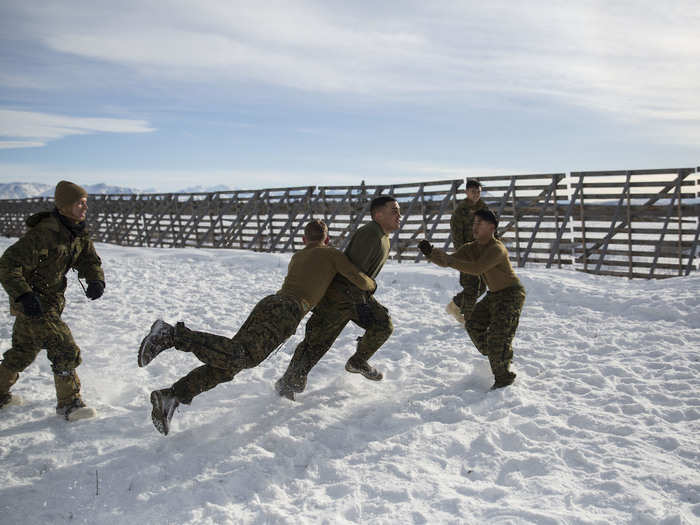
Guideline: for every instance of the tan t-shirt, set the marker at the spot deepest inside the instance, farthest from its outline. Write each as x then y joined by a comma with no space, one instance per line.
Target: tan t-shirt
312,269
369,248
490,260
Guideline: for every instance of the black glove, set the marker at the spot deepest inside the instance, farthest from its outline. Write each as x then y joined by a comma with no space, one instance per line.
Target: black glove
30,304
364,314
425,247
95,289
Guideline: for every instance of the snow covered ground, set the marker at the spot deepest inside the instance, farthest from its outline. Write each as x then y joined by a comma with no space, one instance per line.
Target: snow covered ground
601,426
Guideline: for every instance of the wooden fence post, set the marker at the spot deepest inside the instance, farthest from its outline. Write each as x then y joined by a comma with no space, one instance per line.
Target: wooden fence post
582,218
629,227
679,212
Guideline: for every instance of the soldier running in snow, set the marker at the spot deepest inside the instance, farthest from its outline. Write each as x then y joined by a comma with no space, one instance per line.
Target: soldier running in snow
495,318
368,250
273,320
461,225
33,273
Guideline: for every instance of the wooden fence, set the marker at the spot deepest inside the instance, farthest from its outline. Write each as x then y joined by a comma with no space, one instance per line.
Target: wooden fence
641,223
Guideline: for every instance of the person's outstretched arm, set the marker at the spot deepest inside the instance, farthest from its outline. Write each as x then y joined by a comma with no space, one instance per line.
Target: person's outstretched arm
352,274
490,258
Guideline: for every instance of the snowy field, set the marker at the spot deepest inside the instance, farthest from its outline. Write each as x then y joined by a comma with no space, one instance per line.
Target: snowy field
601,426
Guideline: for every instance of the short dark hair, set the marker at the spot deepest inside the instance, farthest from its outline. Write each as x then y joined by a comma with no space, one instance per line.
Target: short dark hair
487,215
473,183
378,202
315,230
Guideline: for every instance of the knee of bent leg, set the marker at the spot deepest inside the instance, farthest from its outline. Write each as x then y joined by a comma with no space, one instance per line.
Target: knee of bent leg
17,363
382,322
249,360
380,330
17,359
65,357
388,327
377,334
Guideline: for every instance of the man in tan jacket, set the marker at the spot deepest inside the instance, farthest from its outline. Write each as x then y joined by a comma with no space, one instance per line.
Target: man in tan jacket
495,318
273,320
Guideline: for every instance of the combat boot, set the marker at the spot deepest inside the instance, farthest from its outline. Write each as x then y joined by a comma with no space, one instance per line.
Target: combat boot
7,379
164,404
284,390
6,399
76,410
364,368
455,311
161,337
70,405
503,380
288,386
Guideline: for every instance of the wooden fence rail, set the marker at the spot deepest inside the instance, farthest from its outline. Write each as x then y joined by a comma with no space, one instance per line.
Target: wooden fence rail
638,223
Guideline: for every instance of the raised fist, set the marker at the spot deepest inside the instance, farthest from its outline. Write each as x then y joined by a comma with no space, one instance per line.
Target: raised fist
425,247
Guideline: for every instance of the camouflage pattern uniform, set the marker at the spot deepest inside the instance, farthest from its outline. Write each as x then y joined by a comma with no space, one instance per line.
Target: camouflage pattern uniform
38,262
461,224
368,250
493,324
273,320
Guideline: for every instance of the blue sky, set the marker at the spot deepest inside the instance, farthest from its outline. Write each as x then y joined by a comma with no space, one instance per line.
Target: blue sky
172,94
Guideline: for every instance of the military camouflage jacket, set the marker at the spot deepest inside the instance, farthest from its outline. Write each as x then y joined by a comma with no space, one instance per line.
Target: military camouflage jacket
462,221
41,258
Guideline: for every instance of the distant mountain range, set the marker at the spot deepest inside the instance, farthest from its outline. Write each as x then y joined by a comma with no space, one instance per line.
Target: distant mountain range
21,190
202,189
24,190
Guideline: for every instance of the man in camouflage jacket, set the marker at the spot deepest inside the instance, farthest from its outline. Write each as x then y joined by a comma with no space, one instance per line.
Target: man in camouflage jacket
33,273
461,224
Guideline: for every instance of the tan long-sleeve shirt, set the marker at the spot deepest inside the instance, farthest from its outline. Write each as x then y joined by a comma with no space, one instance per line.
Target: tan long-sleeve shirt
312,269
490,260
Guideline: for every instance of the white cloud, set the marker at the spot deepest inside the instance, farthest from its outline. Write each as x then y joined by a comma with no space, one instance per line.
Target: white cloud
43,127
632,60
15,144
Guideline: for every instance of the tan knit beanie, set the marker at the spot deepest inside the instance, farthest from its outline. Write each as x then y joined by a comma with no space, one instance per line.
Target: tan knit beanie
67,194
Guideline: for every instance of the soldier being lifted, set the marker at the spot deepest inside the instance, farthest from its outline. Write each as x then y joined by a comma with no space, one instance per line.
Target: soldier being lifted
368,250
461,222
495,318
273,320
33,273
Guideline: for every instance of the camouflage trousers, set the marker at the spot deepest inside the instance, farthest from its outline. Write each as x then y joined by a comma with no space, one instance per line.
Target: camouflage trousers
493,324
273,320
472,288
29,336
323,328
